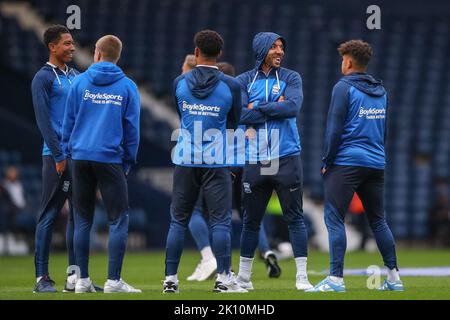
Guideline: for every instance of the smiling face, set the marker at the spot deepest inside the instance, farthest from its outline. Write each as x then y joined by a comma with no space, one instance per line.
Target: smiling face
275,55
64,48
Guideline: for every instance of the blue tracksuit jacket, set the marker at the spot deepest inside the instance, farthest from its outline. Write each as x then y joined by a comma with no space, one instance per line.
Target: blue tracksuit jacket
101,122
356,124
209,103
268,114
49,90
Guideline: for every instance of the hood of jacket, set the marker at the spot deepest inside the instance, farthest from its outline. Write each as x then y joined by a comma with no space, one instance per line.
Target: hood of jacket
366,83
104,73
262,43
202,81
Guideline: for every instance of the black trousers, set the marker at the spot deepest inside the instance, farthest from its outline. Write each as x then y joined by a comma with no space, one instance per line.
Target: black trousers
341,182
111,181
257,190
215,184
236,194
55,191
236,177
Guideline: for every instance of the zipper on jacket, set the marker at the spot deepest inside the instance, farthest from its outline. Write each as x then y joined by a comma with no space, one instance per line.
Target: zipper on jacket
265,123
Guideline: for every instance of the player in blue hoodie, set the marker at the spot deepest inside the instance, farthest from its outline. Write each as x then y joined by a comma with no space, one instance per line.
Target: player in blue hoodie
354,160
271,100
101,135
209,103
49,91
198,225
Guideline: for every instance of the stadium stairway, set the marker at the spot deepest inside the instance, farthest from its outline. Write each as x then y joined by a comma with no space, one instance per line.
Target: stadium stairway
31,20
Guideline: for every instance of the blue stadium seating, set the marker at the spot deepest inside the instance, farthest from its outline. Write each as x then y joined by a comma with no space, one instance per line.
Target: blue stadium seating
411,56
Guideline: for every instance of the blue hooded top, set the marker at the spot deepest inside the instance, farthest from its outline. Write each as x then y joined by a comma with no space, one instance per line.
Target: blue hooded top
49,90
208,103
356,123
101,122
274,121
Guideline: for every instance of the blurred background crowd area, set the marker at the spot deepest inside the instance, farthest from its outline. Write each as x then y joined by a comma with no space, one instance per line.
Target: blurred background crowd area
411,56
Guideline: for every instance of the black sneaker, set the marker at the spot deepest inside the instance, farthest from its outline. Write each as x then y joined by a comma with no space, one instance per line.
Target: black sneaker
273,269
170,287
45,285
97,288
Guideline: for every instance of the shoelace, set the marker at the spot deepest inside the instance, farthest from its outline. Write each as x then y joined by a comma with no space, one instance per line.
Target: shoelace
48,279
199,268
170,285
303,278
124,284
231,279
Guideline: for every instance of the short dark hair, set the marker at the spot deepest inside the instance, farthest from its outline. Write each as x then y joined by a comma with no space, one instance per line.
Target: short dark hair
227,68
359,50
209,42
53,34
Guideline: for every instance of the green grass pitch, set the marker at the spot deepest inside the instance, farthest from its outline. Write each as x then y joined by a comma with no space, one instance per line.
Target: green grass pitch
146,271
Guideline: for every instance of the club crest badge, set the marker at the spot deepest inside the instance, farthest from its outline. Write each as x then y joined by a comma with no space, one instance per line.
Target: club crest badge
275,89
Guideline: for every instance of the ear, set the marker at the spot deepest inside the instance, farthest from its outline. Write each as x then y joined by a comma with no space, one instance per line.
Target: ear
97,56
197,52
51,47
220,54
350,63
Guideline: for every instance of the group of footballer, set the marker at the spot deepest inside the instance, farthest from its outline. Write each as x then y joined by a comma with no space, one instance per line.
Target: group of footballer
90,126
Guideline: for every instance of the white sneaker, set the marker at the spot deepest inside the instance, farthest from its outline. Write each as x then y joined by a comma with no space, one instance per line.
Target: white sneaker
115,286
205,269
302,283
84,286
70,283
228,284
244,283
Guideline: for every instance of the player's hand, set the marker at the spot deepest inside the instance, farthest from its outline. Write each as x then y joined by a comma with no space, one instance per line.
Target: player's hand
250,133
323,170
126,168
281,99
250,105
61,167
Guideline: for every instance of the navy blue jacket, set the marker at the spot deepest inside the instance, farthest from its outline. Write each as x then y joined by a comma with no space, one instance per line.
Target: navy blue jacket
356,124
209,103
101,122
268,114
49,90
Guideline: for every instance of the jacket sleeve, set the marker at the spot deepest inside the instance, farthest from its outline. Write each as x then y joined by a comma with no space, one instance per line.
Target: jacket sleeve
248,116
41,87
386,121
174,93
69,119
131,127
235,112
288,108
335,122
